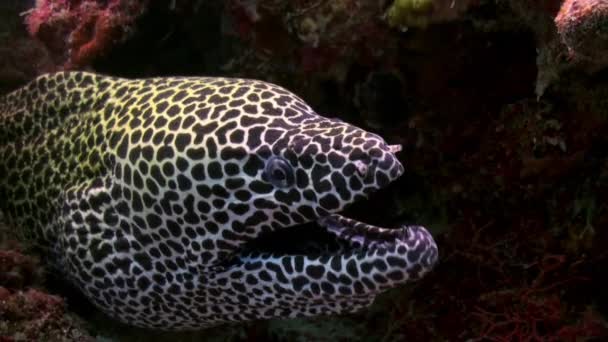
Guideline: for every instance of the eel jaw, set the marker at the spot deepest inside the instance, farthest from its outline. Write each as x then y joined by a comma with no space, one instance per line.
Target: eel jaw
370,260
413,245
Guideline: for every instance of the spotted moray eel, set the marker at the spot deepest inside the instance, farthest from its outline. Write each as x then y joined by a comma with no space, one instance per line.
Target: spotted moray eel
150,194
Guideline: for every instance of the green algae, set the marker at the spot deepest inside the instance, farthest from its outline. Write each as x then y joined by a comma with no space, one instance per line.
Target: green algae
404,13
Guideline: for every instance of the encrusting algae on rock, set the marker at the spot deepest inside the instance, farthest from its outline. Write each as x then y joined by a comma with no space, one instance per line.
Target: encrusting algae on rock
421,13
409,12
583,28
27,312
77,32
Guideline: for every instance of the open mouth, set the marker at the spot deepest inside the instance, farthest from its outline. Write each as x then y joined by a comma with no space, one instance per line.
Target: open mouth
305,239
389,255
331,235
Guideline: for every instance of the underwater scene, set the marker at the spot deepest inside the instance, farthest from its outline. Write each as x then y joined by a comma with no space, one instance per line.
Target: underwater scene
303,170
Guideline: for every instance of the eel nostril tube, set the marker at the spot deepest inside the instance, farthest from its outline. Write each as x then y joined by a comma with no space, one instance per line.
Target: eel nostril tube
394,148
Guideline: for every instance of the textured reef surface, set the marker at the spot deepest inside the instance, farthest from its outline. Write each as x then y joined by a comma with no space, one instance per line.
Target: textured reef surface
77,31
27,311
501,107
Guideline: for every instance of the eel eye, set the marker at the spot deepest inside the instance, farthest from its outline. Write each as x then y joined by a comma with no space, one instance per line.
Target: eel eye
279,172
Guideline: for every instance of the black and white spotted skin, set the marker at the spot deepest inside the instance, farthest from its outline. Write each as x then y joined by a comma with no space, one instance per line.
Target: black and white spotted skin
151,195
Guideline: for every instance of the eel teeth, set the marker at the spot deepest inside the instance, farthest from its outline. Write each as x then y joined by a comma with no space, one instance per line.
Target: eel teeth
361,235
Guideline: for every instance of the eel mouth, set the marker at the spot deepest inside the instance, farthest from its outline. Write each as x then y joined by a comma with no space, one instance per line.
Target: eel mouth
399,254
329,235
338,235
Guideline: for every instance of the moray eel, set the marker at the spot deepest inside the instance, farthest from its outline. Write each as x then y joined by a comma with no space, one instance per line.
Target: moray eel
170,202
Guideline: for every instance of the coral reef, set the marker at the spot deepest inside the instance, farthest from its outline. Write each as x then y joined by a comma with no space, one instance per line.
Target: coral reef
21,57
583,28
28,314
521,244
315,36
421,13
78,31
410,12
33,315
17,270
570,35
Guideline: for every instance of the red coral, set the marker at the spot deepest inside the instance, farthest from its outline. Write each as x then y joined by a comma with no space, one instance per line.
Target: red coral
533,312
4,294
31,304
34,311
316,36
78,31
17,270
31,313
581,25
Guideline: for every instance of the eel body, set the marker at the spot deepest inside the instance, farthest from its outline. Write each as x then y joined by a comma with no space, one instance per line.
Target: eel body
181,203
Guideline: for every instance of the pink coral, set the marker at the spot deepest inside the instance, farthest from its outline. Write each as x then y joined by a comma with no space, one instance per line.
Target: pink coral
27,313
583,28
78,31
17,270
